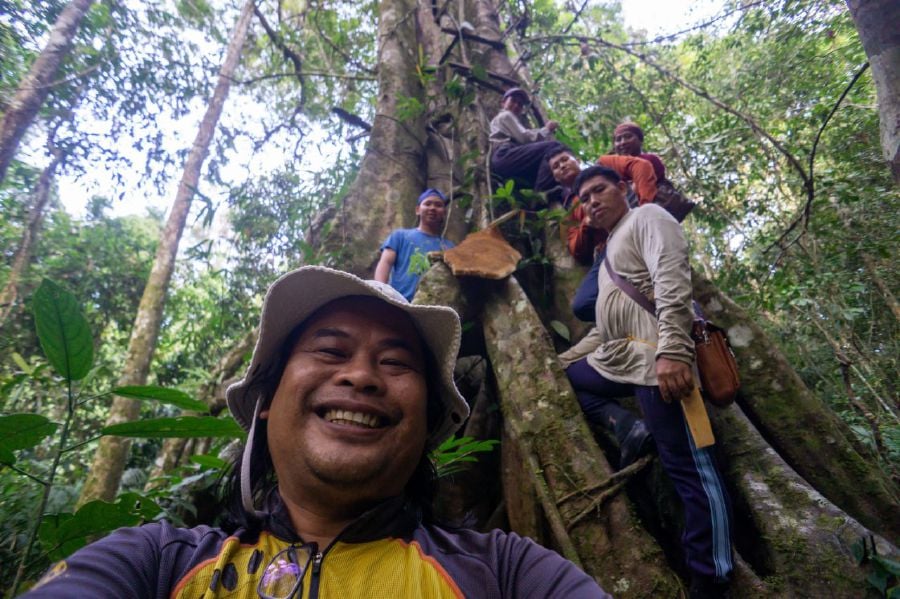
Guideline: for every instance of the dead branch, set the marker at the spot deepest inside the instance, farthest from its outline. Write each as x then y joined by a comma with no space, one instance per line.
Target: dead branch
351,118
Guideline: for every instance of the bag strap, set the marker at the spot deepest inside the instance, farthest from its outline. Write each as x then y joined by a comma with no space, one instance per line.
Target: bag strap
629,289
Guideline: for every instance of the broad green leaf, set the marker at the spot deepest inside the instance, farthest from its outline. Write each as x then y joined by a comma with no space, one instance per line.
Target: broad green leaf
173,397
63,331
181,427
21,431
63,534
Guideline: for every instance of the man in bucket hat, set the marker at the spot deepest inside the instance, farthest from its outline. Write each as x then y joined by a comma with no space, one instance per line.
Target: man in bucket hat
348,389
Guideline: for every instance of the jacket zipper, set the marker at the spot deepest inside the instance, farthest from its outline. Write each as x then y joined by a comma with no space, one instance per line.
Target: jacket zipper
314,577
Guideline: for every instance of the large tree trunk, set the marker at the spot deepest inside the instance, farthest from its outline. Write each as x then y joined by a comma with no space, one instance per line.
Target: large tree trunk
560,452
392,173
792,534
801,428
557,483
36,85
109,459
876,21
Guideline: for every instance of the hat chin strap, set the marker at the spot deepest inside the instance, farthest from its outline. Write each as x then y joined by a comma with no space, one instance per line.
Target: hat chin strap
246,494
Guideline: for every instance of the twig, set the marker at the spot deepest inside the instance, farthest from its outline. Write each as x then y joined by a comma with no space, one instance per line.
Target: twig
495,44
671,36
325,74
575,17
621,475
24,473
807,209
286,51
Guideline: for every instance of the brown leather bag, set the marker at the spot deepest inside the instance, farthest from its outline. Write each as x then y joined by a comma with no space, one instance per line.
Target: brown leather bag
715,363
672,200
715,360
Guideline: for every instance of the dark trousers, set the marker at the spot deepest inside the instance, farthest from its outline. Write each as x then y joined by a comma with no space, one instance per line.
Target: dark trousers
527,162
707,511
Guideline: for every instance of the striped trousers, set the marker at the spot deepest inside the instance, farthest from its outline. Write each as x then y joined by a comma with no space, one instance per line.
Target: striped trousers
707,511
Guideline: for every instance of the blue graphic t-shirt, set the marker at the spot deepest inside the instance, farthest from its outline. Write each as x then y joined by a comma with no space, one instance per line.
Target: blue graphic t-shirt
407,243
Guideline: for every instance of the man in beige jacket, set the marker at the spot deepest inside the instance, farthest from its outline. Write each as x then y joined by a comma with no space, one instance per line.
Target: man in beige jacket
634,352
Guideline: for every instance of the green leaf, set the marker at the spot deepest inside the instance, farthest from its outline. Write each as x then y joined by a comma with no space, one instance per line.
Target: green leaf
22,364
180,427
63,534
209,461
561,329
21,431
63,331
172,397
889,565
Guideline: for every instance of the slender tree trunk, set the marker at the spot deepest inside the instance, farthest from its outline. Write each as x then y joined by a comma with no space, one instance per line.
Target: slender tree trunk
10,291
173,450
876,21
36,85
109,459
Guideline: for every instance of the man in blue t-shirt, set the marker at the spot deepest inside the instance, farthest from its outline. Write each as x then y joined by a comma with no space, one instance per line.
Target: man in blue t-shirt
402,244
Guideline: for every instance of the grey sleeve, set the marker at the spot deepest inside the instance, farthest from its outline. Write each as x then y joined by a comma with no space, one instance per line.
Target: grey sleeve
664,248
507,125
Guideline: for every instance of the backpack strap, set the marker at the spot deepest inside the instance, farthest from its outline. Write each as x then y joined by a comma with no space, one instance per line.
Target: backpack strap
629,289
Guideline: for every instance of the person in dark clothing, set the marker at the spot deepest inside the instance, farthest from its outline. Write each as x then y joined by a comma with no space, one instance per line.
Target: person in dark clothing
518,152
349,389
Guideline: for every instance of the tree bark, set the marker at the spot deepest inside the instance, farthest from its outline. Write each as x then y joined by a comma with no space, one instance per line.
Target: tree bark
392,173
876,21
540,407
800,540
802,429
110,456
35,87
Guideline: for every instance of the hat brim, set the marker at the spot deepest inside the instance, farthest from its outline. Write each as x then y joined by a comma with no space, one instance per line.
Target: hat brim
294,297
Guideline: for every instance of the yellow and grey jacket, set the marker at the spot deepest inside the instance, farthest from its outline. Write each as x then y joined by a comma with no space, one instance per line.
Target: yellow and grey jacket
388,552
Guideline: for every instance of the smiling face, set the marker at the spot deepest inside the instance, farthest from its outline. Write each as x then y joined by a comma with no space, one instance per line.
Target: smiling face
605,200
565,168
627,143
348,419
431,213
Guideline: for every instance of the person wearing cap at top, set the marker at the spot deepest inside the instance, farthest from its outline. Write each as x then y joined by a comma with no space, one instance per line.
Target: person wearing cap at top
628,140
401,245
518,152
348,390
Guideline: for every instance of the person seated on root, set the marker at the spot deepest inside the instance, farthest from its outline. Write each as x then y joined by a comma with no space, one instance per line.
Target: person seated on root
583,236
349,389
628,140
518,152
631,352
397,251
